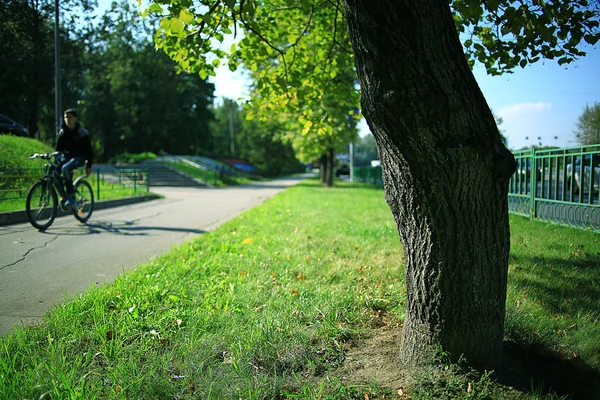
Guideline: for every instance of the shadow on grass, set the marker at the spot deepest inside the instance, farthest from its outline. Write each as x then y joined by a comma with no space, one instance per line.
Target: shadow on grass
565,285
562,286
526,369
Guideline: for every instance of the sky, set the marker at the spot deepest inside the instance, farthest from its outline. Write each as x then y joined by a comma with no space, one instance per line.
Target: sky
539,104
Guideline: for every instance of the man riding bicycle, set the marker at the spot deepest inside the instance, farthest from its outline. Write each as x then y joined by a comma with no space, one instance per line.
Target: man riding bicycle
75,140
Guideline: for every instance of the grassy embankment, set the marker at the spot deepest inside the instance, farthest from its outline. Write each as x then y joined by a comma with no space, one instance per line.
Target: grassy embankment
273,303
19,172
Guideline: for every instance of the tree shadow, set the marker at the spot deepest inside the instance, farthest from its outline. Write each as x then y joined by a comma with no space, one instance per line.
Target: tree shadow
527,369
579,283
561,286
124,228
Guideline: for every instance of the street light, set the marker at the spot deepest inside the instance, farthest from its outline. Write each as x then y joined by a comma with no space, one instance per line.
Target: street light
57,84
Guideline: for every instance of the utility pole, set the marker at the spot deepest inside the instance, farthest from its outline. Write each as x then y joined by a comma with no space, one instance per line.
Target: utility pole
231,128
57,83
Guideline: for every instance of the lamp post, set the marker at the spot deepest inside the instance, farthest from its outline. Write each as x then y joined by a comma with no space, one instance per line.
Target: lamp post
57,83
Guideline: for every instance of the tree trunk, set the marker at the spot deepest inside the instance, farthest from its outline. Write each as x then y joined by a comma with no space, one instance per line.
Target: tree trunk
445,172
323,168
330,166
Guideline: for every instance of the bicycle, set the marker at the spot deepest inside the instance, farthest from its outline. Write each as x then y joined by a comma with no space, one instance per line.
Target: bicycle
42,201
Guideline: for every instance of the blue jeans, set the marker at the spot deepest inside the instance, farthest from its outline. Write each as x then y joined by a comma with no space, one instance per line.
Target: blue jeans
67,170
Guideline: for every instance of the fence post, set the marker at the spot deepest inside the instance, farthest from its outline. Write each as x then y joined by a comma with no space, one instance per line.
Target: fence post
135,176
98,183
533,187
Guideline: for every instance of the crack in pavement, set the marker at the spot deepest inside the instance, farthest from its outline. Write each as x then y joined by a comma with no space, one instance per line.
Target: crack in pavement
29,251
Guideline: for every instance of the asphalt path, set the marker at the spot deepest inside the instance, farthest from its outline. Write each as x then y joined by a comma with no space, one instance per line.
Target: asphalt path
41,269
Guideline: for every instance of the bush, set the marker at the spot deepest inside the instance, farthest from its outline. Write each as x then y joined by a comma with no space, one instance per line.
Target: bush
129,158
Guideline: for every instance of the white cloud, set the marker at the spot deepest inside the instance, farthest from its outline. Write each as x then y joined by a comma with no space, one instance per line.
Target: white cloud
523,110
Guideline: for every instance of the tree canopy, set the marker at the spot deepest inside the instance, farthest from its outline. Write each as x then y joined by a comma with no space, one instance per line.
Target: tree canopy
588,125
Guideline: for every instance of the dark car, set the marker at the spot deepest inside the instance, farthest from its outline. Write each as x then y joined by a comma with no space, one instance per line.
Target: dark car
8,126
342,170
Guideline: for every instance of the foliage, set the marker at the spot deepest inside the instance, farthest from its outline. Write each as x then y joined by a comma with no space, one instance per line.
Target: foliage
588,125
130,97
134,98
298,56
503,34
263,145
258,141
132,158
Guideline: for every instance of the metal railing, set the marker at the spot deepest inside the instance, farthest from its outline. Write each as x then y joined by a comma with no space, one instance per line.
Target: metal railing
558,185
108,183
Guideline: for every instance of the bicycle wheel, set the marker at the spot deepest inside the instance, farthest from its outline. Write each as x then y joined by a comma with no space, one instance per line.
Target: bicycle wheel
41,205
84,196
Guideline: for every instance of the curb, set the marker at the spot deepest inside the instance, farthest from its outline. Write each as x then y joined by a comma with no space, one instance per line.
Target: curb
17,217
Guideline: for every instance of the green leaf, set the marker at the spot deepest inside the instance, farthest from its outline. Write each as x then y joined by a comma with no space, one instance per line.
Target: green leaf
165,23
591,39
186,16
523,63
176,26
154,7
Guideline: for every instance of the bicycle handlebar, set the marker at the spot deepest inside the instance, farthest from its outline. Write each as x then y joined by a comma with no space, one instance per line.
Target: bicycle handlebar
47,156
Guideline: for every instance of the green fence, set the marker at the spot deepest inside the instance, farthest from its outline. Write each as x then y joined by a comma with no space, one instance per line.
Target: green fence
368,175
558,185
107,184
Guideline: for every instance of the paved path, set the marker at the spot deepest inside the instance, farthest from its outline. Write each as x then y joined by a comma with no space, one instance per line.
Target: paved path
40,269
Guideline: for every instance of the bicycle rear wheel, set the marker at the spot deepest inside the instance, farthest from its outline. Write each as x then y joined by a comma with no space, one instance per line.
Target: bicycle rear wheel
41,205
84,196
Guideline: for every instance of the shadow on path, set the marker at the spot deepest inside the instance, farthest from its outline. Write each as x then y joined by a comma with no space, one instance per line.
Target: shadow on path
125,228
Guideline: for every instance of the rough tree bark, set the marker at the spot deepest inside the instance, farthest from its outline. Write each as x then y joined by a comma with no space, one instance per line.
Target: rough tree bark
445,172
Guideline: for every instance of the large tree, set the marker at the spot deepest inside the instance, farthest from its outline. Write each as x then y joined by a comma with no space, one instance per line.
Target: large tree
445,168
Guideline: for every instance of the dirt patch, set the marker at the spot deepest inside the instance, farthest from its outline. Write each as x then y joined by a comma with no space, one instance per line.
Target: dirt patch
376,359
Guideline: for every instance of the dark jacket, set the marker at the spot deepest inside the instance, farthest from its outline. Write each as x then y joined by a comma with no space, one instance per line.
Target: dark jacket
76,142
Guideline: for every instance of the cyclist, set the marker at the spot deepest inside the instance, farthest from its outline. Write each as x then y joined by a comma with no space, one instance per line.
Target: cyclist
75,140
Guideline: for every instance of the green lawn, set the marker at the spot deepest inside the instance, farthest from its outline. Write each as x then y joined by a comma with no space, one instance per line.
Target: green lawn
271,304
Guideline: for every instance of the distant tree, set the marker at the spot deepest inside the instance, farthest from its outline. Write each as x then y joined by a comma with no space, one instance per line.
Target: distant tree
262,144
135,99
219,143
588,125
500,121
365,150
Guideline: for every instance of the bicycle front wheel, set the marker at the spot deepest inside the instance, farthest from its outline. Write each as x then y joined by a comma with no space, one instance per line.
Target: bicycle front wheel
84,196
41,205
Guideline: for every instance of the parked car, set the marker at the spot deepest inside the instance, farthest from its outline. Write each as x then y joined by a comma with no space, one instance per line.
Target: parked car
524,170
589,161
8,126
342,170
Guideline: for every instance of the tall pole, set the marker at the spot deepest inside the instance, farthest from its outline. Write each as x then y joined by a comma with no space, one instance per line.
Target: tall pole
351,159
231,128
57,83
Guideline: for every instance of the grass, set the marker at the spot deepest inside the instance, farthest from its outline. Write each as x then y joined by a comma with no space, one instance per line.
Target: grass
268,305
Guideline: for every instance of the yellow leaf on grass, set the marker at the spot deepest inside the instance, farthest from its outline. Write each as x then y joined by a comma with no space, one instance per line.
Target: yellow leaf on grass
247,241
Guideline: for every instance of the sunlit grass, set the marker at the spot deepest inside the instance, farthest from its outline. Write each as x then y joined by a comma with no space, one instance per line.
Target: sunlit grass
267,305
